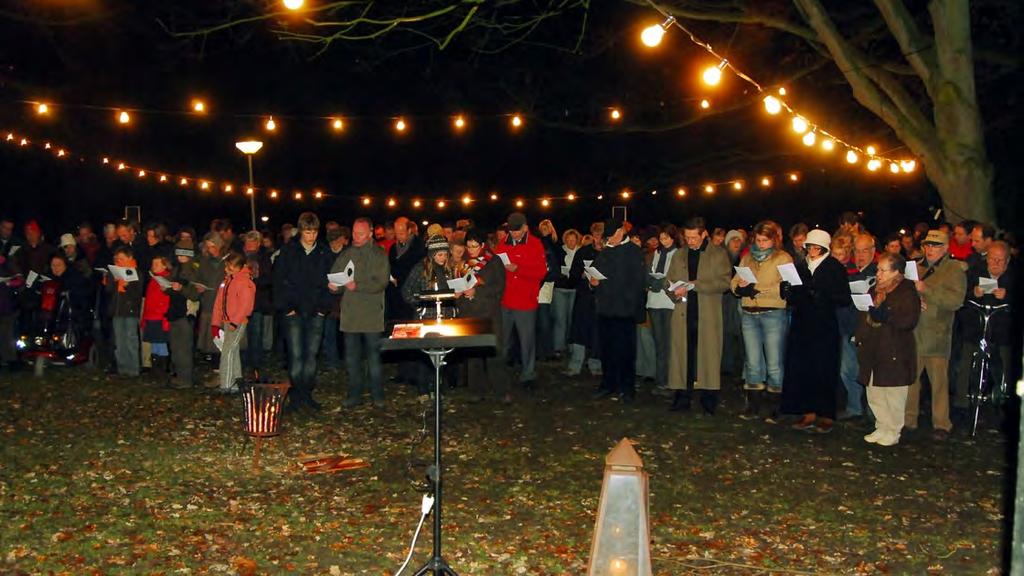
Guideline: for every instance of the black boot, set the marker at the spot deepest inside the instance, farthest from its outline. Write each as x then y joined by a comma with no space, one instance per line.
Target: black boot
158,372
709,401
752,409
680,401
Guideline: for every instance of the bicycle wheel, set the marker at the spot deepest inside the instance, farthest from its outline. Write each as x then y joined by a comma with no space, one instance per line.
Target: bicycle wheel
980,379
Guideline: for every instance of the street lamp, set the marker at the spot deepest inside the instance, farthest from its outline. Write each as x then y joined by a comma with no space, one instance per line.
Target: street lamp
250,148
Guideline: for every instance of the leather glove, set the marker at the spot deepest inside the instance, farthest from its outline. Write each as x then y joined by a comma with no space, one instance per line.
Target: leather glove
879,314
748,291
785,289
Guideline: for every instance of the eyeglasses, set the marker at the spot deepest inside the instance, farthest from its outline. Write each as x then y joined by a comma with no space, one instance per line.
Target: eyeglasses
886,270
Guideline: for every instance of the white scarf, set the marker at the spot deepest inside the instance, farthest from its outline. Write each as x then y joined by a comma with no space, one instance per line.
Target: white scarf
569,255
813,264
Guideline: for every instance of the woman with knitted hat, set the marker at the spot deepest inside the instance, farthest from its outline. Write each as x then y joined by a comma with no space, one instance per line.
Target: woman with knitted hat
429,275
812,351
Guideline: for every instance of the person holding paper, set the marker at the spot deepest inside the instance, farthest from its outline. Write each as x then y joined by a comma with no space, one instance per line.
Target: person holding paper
619,301
430,275
885,346
942,287
763,318
660,304
211,272
484,301
993,284
695,362
584,344
863,270
564,296
525,271
181,312
812,349
362,312
231,310
125,307
155,326
302,297
8,302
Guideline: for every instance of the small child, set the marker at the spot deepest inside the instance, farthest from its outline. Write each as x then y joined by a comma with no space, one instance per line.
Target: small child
124,306
231,310
156,327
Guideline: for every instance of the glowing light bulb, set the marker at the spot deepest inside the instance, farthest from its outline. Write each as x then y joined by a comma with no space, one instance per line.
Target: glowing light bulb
799,125
400,125
106,160
264,218
338,124
163,178
653,34
681,192
571,197
894,168
294,4
198,106
705,104
249,191
466,200
142,173
228,188
772,104
270,125
124,117
545,202
392,203
851,157
494,196
441,204
416,203
708,188
459,122
782,90
908,166
871,150
183,182
615,114
24,142
121,166
654,192
828,144
366,201
519,203
42,109
273,194
809,139
713,74
204,185
298,195
793,177
737,185
318,195
600,196
625,194
60,153
874,164
517,121
46,146
766,181
10,136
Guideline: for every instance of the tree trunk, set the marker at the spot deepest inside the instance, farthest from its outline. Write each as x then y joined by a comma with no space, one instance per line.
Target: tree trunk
964,186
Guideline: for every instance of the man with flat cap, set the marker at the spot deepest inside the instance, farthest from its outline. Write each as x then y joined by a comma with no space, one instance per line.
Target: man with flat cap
525,269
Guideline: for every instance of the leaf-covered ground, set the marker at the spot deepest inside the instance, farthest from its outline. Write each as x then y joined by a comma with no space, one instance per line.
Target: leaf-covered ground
105,475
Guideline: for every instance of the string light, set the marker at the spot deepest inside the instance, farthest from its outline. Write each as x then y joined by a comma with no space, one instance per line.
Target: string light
809,138
264,219
183,182
654,192
46,146
298,195
228,188
828,144
106,160
851,157
24,142
653,34
466,200
270,124
400,125
793,177
142,173
198,106
545,202
124,117
681,192
870,150
517,121
625,194
204,185
705,104
10,136
799,125
600,196
337,124
42,109
416,203
273,194
874,164
318,195
366,201
894,168
294,4
737,185
459,122
121,166
519,203
571,197
494,197
766,182
249,191
441,204
60,153
615,114
163,178
908,166
712,75
772,104
782,90
392,203
709,188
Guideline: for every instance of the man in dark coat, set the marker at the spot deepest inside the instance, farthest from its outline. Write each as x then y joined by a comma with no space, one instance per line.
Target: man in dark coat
620,300
405,253
584,343
812,349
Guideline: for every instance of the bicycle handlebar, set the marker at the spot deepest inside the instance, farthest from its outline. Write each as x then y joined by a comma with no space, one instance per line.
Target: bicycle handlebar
988,307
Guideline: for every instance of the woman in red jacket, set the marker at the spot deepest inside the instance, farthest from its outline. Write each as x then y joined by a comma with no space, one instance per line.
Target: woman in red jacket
231,311
156,328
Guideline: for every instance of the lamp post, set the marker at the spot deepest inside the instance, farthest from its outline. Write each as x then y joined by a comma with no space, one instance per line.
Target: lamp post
250,148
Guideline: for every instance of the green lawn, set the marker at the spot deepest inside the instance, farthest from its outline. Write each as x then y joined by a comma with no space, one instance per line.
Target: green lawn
104,475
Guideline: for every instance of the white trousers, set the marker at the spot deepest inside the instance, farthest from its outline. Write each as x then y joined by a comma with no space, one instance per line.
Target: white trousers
888,404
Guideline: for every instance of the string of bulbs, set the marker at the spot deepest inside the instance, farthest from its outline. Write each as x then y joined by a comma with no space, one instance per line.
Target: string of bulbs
204,184
811,133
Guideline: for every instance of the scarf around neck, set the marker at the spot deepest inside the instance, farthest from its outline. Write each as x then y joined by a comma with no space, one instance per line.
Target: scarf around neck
760,255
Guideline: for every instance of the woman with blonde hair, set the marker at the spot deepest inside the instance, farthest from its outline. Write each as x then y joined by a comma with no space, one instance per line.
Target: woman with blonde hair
565,290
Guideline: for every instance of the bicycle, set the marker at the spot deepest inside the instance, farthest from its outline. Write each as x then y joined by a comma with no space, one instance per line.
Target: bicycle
981,365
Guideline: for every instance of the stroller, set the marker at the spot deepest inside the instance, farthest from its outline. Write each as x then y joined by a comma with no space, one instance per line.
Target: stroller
58,332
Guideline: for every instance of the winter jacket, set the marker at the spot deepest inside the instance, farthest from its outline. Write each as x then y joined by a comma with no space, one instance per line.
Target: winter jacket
945,287
262,270
486,302
124,304
185,274
768,279
624,293
300,279
418,283
234,300
523,285
158,302
401,265
886,352
34,258
362,309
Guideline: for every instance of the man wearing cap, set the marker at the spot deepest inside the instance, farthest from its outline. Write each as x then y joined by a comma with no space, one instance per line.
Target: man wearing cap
620,300
34,255
942,286
524,273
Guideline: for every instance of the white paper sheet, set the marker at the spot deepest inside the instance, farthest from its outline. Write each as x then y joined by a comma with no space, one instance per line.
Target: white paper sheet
594,273
32,277
565,270
860,287
546,293
746,273
163,282
345,276
121,273
988,285
862,301
14,250
587,263
789,274
462,284
504,258
218,340
657,275
910,272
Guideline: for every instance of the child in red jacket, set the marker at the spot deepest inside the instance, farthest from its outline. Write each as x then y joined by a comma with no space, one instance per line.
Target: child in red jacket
231,311
156,328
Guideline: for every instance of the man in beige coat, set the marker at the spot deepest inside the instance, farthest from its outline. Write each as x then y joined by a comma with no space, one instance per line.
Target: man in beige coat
942,286
696,354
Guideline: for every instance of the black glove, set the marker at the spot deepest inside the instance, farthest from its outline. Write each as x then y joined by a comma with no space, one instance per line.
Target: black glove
784,290
748,291
656,284
879,314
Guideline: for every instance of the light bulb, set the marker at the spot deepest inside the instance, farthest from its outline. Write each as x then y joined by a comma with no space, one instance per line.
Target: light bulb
264,218
249,191
273,194
793,177
416,203
713,74
772,104
270,125
809,139
366,201
294,4
519,203
42,109
318,195
799,125
228,188
615,114
851,157
163,178
737,185
60,152
517,121
782,90
459,122
24,142
198,106
708,188
766,181
705,104
466,200
121,166
874,164
571,197
545,202
494,196
625,194
400,125
652,35
870,150
908,166
338,124
106,160
441,203
142,173
204,185
828,144
183,182
392,203
681,192
123,117
894,168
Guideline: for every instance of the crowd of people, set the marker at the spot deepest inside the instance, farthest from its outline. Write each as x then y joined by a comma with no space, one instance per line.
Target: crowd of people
673,308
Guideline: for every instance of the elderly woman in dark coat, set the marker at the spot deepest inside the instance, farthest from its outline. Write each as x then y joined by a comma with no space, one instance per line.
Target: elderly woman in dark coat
812,350
886,350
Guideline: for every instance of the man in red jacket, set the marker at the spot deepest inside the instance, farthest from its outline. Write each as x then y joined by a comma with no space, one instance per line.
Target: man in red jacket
525,269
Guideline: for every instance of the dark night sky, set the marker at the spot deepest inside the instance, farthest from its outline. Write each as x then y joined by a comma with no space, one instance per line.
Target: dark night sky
125,58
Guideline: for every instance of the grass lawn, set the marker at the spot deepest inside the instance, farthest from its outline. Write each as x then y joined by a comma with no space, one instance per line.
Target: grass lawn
102,475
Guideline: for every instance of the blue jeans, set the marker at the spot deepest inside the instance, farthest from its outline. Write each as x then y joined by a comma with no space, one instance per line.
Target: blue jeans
561,311
646,353
303,332
252,357
577,354
849,370
764,341
360,346
126,345
331,357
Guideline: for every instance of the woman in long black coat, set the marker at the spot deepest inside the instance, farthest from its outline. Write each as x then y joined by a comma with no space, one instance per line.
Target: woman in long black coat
583,343
812,349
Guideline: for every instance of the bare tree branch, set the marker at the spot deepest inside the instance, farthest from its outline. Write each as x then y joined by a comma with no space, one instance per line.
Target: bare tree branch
917,49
